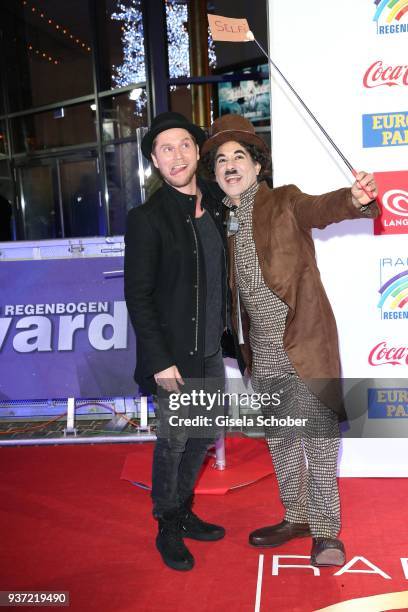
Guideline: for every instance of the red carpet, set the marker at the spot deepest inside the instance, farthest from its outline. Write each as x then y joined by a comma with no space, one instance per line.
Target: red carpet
68,522
248,460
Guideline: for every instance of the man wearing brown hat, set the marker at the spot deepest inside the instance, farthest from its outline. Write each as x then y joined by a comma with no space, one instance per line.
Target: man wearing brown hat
175,289
287,327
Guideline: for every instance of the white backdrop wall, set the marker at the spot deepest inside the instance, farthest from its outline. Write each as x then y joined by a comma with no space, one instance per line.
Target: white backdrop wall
325,49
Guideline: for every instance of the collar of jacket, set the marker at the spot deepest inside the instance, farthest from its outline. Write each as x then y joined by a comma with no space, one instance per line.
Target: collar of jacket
246,197
186,203
279,260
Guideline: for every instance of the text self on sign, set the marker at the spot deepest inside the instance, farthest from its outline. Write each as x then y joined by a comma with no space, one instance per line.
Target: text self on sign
228,29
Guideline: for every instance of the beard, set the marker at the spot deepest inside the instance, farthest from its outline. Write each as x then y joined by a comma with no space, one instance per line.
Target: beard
181,181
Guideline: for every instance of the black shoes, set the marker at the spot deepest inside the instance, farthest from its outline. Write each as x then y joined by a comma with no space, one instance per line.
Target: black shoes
183,523
196,529
169,543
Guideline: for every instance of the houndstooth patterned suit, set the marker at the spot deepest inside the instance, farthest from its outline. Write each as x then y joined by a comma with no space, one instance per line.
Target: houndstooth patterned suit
305,461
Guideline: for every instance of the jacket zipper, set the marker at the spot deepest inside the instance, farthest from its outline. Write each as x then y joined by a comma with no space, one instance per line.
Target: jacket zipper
225,287
225,273
197,282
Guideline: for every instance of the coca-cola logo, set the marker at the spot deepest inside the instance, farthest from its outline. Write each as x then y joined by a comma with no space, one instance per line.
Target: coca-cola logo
379,74
382,354
396,201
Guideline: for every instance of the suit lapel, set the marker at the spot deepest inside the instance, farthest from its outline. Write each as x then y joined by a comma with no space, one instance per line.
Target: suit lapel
273,231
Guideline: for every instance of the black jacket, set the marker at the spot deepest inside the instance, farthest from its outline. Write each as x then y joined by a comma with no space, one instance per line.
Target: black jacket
165,284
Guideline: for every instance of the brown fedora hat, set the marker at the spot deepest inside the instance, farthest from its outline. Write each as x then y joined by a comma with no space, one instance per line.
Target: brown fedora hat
233,127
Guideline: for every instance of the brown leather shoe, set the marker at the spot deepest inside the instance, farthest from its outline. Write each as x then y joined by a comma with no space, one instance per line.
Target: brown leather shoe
327,552
275,535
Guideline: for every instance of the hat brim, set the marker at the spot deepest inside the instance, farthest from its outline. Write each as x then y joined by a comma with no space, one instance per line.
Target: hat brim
148,139
234,135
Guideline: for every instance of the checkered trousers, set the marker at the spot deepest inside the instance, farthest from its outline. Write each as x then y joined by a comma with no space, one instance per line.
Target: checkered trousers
305,458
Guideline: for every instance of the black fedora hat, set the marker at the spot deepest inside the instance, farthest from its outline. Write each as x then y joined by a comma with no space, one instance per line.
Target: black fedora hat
167,121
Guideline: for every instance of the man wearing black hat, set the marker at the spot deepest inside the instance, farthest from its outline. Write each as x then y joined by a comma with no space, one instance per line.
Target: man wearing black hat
175,289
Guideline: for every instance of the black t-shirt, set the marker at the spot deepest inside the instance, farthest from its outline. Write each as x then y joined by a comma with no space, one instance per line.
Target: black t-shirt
212,247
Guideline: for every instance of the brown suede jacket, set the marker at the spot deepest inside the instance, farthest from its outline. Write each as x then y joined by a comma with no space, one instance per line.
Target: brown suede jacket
282,221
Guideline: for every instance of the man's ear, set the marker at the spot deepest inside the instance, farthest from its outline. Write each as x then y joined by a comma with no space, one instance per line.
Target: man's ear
198,152
257,168
154,160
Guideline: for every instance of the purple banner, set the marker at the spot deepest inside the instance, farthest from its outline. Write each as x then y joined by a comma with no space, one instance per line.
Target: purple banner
64,330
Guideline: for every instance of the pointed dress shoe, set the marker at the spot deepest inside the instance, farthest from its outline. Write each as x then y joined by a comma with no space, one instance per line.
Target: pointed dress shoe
275,535
327,552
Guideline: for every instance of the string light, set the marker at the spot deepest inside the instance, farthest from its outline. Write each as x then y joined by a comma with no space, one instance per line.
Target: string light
178,40
132,70
61,29
212,58
43,54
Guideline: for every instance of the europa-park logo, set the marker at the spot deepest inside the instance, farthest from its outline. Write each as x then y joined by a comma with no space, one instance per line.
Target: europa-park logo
391,16
393,202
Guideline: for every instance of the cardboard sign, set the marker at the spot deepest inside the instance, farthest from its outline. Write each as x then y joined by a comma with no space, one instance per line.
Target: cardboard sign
228,29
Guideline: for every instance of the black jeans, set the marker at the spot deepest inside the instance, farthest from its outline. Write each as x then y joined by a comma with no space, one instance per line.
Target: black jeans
179,454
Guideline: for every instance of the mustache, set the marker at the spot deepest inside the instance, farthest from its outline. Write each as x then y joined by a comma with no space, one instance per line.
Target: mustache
230,172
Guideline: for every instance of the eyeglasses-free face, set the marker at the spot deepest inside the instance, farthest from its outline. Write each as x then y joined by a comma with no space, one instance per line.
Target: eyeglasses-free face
235,170
175,154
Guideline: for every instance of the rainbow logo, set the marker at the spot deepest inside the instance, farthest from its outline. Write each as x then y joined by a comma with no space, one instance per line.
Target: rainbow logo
397,9
395,290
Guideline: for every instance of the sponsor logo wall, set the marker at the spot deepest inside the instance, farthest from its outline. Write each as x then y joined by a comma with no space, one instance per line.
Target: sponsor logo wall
393,193
393,291
388,403
383,354
380,74
390,17
385,129
358,91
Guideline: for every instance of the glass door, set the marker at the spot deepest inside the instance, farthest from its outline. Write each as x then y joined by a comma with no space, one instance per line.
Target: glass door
40,218
61,198
81,200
